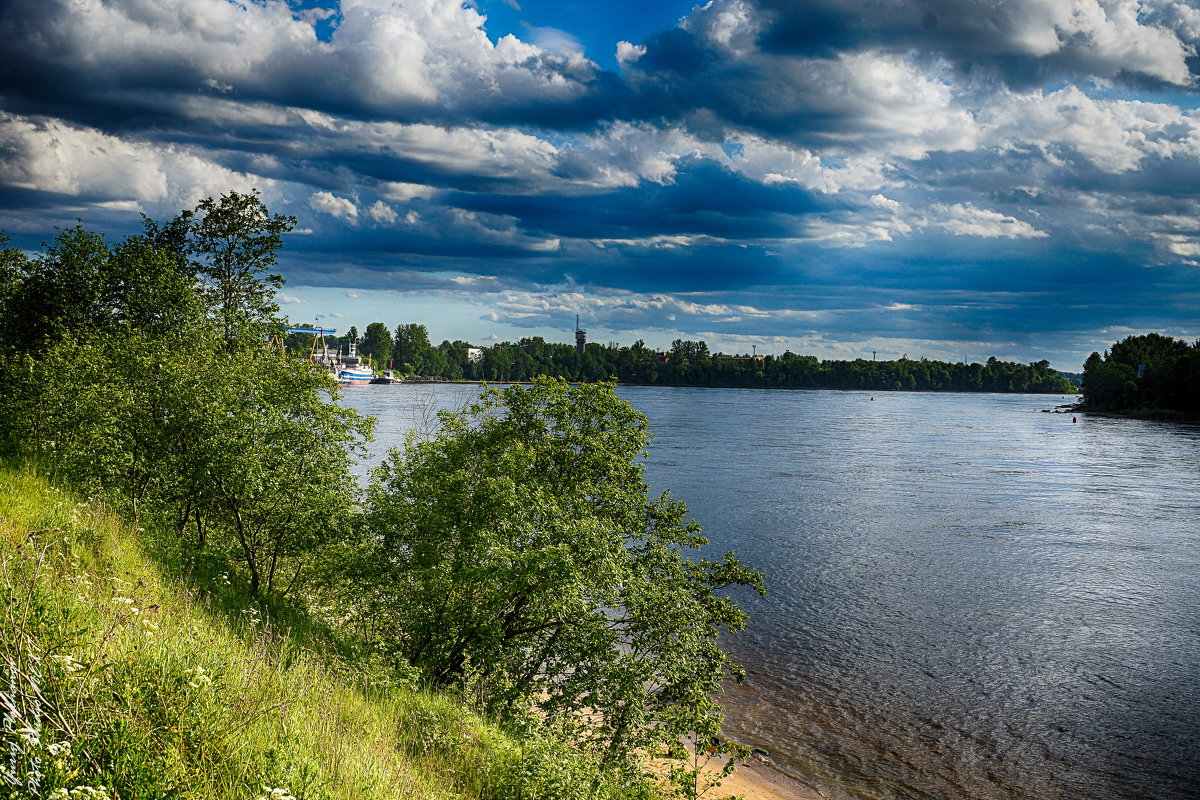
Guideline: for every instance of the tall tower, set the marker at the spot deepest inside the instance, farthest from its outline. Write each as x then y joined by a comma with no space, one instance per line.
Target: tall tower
580,337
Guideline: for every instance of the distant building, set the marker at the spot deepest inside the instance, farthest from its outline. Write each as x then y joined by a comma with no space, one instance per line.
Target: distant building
580,337
739,358
474,354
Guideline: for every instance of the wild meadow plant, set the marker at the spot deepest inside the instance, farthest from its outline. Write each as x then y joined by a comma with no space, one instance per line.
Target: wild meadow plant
118,681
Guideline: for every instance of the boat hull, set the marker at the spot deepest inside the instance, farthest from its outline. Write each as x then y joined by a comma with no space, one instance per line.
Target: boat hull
354,377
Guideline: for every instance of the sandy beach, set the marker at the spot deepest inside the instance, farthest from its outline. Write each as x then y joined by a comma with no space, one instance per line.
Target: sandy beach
758,780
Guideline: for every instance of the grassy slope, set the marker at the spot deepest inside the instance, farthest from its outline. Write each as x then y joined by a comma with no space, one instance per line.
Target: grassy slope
161,693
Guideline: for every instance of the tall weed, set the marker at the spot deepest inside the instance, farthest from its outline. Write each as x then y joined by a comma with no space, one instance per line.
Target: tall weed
116,682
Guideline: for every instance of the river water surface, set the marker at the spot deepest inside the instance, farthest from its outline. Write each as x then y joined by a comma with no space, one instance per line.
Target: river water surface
968,598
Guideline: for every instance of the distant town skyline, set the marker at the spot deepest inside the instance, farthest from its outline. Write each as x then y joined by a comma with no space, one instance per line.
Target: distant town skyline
832,177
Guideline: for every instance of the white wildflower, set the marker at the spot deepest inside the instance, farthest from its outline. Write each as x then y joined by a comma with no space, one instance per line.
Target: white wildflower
68,662
62,749
30,735
275,794
81,793
199,679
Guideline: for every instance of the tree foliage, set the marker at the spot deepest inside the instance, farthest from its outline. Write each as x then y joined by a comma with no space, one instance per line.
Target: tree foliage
1146,374
377,344
518,553
689,363
120,378
81,284
411,347
235,239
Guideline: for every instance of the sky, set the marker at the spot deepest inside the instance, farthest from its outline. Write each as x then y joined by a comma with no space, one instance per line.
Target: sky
950,179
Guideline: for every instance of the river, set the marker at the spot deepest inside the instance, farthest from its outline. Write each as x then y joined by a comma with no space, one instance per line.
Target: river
968,597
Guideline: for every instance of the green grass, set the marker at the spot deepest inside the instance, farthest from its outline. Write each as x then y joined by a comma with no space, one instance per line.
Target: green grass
113,675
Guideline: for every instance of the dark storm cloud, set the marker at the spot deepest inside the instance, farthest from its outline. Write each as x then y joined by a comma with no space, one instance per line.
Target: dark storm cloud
789,70
683,76
1022,42
703,199
679,236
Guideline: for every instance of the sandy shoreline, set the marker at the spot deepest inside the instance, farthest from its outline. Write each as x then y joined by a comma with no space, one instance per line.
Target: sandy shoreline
755,779
758,780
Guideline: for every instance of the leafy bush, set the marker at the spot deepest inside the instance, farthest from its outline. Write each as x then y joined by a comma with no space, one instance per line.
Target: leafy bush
517,556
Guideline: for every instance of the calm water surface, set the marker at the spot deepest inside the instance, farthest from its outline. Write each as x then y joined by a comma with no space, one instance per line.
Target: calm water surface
968,598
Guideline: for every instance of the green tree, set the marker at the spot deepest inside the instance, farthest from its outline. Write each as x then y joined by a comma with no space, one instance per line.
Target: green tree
1108,385
236,239
174,237
377,344
454,354
518,553
150,288
411,343
79,292
497,362
434,362
62,290
242,448
1147,350
124,386
277,466
14,266
81,284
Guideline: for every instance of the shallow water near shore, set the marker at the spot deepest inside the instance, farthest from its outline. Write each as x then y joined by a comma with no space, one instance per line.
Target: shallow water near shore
969,598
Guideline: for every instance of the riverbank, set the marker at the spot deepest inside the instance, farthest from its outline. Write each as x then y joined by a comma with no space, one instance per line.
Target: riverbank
755,779
758,780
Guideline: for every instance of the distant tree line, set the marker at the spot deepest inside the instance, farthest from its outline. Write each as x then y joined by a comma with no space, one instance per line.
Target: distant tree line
689,363
1150,374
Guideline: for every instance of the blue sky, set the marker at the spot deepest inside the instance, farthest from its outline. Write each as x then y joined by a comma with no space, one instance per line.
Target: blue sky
940,178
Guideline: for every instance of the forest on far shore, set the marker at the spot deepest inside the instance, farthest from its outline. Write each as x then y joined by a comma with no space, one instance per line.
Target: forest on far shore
1148,375
687,363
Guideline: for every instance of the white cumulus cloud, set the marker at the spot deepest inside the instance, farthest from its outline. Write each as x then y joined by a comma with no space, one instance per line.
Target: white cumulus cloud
382,213
339,207
964,219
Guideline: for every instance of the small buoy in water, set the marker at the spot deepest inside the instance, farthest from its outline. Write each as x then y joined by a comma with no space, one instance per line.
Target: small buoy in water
1073,420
